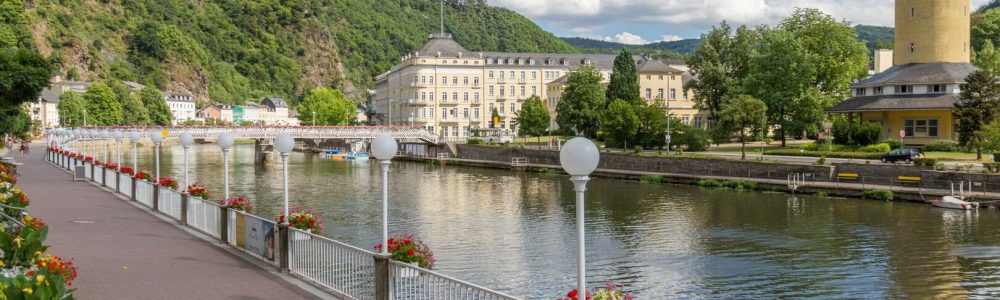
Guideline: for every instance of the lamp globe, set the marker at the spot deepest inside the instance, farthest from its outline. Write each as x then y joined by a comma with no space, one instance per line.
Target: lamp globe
579,157
384,147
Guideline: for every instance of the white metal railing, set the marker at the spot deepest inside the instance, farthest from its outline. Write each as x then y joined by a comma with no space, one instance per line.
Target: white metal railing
299,132
245,241
144,192
409,282
348,270
87,167
442,155
98,174
112,180
203,215
170,203
519,161
125,181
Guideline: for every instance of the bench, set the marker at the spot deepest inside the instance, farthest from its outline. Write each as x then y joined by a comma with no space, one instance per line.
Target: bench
908,179
847,176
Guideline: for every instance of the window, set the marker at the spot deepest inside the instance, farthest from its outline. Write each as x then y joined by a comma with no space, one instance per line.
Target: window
511,75
475,96
423,79
430,113
454,113
465,96
921,127
454,80
430,79
423,96
661,77
444,113
512,90
859,92
877,90
904,89
649,94
423,112
465,113
534,90
501,91
444,131
648,77
475,81
673,94
454,96
522,91
937,88
454,131
534,74
686,119
491,108
913,12
502,108
491,91
444,97
490,74
685,95
475,113
522,76
465,80
444,80
697,121
430,96
913,47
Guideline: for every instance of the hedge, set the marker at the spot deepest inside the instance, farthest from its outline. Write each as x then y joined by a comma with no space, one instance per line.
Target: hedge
880,194
829,154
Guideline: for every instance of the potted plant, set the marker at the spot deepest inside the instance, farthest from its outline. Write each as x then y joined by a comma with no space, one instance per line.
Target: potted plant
303,220
239,203
168,182
405,248
127,170
143,175
197,190
610,291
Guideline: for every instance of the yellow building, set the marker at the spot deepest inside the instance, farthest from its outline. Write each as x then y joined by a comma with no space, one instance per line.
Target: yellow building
931,60
451,91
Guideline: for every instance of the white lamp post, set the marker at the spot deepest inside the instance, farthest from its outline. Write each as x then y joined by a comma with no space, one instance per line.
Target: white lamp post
284,144
579,158
107,147
93,143
118,148
156,138
135,136
78,135
186,141
384,148
225,142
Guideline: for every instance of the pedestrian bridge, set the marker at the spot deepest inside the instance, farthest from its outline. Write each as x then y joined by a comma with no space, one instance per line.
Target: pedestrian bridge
403,134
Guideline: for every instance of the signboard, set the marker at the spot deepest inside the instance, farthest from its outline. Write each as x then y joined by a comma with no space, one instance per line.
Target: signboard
255,236
902,133
79,173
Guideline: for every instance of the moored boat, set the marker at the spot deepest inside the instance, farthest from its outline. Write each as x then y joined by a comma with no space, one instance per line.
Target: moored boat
954,203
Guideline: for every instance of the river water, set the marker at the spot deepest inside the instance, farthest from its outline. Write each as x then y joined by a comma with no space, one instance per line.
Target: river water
516,231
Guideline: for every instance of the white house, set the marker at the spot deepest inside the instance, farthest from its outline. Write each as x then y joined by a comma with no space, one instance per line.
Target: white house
182,106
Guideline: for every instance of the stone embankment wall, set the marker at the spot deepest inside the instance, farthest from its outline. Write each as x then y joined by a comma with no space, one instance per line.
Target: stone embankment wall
887,174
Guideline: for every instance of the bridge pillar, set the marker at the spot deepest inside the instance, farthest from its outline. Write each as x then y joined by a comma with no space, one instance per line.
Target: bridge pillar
263,150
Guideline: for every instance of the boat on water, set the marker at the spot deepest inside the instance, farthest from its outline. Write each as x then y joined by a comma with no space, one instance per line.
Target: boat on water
333,153
357,156
954,203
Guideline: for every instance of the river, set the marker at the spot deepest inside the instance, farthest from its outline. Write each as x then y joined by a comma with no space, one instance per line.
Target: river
516,231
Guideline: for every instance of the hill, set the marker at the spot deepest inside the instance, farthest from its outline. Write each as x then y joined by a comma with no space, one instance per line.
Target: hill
239,50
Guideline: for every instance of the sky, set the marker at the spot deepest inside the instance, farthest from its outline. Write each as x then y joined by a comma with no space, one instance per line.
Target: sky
645,21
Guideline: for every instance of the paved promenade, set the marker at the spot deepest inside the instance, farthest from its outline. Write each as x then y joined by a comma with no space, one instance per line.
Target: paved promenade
124,252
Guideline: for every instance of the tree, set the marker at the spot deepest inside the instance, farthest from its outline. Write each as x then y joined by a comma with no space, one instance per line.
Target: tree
987,58
740,113
23,75
624,80
720,65
330,106
159,113
782,77
133,112
102,105
986,28
977,106
15,121
582,102
533,118
70,109
652,126
834,49
619,122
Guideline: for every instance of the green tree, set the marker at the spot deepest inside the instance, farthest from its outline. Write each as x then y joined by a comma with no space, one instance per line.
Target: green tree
23,75
977,106
720,65
619,122
624,79
652,126
330,106
70,109
159,113
783,73
533,118
839,57
134,113
582,102
987,58
986,28
102,105
741,113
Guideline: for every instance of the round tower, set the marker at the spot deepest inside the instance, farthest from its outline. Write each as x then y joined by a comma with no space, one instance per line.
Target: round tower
932,31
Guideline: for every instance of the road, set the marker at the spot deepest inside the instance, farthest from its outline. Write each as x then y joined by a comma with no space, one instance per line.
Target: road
950,165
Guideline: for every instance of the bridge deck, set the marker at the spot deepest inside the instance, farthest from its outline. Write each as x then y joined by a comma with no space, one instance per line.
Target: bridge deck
124,252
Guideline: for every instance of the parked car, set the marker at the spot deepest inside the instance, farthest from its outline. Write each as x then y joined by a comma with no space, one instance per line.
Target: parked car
905,155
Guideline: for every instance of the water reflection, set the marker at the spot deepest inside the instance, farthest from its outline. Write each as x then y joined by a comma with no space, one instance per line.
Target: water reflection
516,231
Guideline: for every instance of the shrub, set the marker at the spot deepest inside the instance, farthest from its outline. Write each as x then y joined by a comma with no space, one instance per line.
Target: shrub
942,146
866,133
925,162
740,185
821,160
841,132
992,167
811,146
710,183
693,139
836,154
548,171
652,178
475,141
893,143
879,194
877,148
638,149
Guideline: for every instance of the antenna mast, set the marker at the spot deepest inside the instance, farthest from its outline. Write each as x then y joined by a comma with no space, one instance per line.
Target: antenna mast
442,17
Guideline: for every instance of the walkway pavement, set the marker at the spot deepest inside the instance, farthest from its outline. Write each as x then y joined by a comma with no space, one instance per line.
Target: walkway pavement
124,252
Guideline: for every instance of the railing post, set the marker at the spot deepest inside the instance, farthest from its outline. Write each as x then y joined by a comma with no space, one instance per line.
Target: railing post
132,196
184,208
156,197
382,286
283,250
224,224
118,181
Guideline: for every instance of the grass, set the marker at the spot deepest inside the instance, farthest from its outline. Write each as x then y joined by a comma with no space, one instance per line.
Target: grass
958,156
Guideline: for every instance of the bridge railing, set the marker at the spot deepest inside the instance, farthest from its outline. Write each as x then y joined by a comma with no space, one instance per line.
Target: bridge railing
111,178
203,215
144,192
169,203
303,132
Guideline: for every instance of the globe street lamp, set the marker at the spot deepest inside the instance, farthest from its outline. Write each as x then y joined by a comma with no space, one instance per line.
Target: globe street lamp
284,144
579,158
135,136
118,148
156,137
225,142
93,143
186,141
384,147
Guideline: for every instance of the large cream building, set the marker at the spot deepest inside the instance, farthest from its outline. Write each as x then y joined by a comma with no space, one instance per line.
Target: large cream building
450,91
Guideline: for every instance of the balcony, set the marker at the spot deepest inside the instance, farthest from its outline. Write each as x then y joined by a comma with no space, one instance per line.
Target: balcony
420,84
477,101
522,81
417,102
449,102
477,86
451,120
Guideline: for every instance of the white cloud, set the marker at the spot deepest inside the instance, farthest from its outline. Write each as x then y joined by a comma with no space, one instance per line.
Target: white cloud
627,38
670,38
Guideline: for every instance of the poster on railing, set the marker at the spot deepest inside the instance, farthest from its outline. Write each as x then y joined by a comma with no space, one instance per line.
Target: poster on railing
255,235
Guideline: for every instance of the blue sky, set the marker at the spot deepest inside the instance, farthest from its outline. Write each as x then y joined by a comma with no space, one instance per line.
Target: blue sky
644,21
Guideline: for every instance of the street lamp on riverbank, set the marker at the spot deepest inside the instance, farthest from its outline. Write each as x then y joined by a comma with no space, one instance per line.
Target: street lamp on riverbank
186,141
225,142
135,136
579,158
384,148
156,138
118,148
284,144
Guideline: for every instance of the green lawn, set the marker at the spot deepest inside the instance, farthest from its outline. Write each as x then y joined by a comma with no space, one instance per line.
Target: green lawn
958,156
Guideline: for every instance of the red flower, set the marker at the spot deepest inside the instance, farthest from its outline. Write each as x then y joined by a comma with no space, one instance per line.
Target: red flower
410,252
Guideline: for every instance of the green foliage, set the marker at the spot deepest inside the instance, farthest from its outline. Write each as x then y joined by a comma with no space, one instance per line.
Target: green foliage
992,167
833,46
533,118
739,185
652,126
876,148
14,120
986,28
102,105
582,102
876,37
159,113
866,133
672,49
547,171
23,75
70,109
739,114
781,76
943,146
637,149
978,103
475,141
14,28
330,106
690,137
830,154
720,65
841,132
651,178
710,183
880,194
987,57
619,122
624,83
925,162
134,113
821,161
893,143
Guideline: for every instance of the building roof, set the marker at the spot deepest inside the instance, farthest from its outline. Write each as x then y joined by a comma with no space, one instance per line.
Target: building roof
133,85
274,102
897,102
179,97
932,73
656,66
48,95
442,45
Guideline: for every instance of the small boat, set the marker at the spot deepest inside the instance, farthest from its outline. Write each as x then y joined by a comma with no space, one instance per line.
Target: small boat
357,156
330,153
954,203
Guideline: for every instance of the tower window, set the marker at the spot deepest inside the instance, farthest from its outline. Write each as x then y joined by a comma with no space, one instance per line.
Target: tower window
913,47
913,12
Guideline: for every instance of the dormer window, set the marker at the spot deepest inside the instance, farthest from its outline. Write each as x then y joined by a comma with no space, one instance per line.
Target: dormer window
937,88
859,92
904,89
877,90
